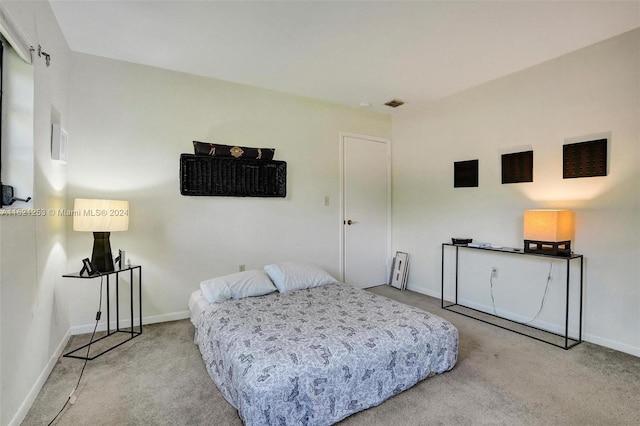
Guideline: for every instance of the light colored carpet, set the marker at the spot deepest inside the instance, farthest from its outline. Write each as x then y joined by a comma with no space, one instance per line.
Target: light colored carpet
501,378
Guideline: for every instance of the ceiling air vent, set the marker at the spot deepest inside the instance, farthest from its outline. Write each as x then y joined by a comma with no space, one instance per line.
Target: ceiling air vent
394,103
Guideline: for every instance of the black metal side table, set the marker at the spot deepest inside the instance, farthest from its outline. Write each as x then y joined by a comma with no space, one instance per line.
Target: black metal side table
565,340
132,332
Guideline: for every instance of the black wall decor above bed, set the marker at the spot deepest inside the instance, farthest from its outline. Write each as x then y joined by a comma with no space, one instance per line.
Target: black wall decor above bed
203,175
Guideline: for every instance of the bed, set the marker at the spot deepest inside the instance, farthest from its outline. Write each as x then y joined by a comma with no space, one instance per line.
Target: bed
313,356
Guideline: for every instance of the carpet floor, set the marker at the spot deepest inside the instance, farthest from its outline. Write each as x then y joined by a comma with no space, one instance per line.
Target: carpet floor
501,378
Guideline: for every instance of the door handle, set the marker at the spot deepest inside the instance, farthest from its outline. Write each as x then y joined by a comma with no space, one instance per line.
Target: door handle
351,222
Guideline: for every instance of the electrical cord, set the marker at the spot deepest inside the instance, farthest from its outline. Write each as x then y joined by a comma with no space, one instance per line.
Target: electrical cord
544,296
493,301
71,399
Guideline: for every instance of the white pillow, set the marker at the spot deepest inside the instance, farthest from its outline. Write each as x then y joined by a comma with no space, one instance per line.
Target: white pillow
237,286
215,290
249,284
290,276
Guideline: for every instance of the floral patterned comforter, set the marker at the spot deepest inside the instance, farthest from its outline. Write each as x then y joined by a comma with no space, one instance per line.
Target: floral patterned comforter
315,356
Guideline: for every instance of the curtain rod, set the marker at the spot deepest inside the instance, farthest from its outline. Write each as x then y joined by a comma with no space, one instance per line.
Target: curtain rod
14,36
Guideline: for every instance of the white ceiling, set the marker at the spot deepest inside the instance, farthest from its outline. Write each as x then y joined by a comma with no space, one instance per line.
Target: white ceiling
343,51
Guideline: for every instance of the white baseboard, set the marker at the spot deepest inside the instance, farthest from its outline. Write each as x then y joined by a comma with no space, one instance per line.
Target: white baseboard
543,325
554,328
40,381
426,292
587,337
124,323
174,316
611,344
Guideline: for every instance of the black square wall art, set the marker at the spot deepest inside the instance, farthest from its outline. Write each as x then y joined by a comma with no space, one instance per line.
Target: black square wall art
465,174
517,167
584,159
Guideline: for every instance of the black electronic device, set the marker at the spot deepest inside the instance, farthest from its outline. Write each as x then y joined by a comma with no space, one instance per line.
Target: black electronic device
461,241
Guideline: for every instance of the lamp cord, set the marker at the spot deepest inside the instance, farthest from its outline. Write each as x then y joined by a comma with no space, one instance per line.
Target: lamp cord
493,301
544,296
71,399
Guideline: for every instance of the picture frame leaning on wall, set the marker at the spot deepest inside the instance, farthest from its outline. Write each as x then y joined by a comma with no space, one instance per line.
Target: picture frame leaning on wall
399,270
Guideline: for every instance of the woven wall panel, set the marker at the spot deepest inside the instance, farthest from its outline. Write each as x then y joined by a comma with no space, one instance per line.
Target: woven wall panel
517,167
584,159
465,174
202,175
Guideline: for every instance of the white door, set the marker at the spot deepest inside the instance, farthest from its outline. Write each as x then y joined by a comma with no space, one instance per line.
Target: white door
366,207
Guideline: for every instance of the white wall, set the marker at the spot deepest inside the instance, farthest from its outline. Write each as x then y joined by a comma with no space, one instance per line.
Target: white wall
33,304
588,92
130,125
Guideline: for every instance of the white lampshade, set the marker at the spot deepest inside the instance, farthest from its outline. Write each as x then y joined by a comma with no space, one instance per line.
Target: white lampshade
100,215
548,225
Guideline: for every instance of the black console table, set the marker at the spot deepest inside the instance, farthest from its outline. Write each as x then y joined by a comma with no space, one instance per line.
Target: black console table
132,332
560,340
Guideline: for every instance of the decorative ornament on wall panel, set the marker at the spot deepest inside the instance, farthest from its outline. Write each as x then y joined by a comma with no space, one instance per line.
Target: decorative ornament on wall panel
465,174
517,167
584,159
